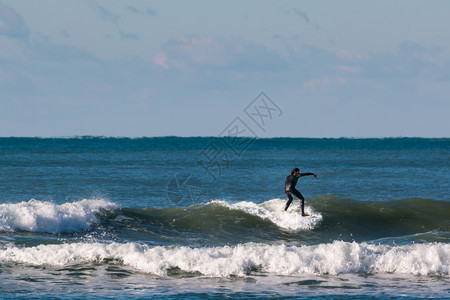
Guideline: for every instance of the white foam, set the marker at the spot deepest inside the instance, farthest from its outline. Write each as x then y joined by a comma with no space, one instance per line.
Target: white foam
273,210
240,260
44,216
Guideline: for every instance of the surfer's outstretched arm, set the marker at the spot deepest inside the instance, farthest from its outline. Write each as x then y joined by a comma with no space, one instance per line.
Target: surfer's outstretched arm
308,174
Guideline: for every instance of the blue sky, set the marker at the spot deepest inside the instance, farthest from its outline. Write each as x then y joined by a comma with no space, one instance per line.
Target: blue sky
189,68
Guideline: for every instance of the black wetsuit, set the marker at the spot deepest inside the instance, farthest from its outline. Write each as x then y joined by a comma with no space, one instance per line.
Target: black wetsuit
289,189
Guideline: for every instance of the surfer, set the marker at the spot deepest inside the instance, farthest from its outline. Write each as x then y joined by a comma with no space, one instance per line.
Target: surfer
289,188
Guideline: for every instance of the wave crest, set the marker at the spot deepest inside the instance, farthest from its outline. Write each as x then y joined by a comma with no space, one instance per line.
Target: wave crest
43,216
273,210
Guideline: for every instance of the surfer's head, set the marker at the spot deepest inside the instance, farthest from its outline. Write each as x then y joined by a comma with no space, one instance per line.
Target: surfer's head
295,170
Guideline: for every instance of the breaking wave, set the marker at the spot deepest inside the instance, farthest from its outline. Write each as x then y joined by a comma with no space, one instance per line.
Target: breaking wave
45,216
430,259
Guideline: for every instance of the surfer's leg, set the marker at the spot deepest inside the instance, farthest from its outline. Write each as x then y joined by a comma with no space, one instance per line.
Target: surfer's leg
302,199
289,201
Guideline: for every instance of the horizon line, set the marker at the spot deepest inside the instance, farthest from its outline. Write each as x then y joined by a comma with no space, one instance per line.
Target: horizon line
208,136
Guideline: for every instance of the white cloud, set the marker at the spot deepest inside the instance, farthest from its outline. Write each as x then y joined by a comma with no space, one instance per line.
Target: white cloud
352,55
410,61
39,52
325,83
160,59
197,51
349,69
317,84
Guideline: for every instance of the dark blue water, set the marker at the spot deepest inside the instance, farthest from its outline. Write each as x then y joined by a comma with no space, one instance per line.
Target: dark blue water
203,217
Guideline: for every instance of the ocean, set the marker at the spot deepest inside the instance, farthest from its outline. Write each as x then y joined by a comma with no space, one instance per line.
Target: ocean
202,217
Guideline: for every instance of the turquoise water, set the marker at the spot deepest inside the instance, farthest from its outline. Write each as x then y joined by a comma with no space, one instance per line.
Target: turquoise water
203,217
